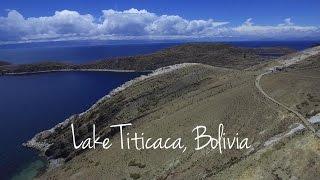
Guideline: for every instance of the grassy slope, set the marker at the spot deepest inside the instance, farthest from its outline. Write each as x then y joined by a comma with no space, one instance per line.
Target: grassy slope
208,96
171,105
293,158
296,157
220,55
298,86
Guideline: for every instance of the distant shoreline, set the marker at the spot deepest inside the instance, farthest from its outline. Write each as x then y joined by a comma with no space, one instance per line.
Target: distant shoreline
214,54
76,70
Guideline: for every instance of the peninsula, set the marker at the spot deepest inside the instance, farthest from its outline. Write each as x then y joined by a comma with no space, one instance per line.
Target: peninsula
173,99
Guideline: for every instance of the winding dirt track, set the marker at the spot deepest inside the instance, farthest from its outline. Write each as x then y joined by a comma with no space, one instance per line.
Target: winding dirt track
285,63
303,119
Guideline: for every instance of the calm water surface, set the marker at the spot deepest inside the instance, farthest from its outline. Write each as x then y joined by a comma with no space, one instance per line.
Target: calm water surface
32,103
75,54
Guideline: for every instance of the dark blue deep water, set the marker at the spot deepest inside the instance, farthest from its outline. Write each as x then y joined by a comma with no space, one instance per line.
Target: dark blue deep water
32,103
75,54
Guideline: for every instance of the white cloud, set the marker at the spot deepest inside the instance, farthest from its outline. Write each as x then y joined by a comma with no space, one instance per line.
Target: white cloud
175,25
133,23
62,24
248,22
283,30
287,22
128,22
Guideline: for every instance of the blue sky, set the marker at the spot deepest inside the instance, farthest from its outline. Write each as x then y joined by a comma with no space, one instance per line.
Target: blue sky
246,19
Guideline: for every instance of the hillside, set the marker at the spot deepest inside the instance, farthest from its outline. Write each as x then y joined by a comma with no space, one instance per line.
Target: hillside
297,86
170,104
220,55
2,63
35,67
171,101
293,154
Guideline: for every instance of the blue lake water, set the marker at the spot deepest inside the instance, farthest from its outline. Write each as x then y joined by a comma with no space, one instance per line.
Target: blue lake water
75,54
32,103
81,53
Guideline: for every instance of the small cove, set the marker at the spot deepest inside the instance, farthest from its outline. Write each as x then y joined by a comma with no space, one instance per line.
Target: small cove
35,102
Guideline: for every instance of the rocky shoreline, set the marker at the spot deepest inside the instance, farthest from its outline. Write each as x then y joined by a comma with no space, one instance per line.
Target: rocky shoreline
38,142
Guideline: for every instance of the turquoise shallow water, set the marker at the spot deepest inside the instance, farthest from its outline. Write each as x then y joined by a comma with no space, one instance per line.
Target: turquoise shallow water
32,103
30,171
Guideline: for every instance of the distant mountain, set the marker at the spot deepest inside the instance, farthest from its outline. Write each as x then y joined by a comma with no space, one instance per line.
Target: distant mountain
2,63
77,43
215,54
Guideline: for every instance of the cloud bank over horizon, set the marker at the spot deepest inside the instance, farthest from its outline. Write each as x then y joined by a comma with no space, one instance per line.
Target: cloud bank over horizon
138,24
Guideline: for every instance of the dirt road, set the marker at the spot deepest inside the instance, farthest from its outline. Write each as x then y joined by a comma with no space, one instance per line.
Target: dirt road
285,63
303,119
